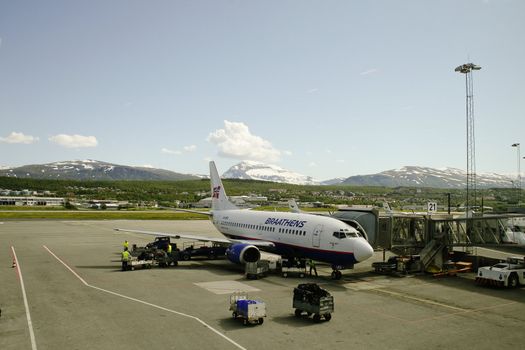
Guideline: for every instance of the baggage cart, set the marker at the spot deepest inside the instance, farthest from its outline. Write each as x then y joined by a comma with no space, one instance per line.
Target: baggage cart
309,298
257,269
291,267
140,264
250,311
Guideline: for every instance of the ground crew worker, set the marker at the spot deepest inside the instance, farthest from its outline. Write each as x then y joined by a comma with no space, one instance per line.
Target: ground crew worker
168,250
126,257
126,245
311,263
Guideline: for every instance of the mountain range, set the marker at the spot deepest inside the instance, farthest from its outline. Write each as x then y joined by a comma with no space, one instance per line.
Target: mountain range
91,170
408,176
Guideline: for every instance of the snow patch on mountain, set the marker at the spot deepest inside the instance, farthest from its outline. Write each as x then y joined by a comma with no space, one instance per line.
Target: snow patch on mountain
264,172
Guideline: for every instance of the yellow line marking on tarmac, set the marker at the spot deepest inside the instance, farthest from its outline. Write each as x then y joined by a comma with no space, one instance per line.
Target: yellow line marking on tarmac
145,302
456,310
26,304
421,300
466,312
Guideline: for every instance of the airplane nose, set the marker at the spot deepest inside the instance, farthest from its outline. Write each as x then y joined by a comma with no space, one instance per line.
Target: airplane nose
363,250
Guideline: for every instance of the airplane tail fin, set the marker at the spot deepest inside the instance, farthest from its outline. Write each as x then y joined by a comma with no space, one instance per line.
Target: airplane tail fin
294,208
387,208
219,199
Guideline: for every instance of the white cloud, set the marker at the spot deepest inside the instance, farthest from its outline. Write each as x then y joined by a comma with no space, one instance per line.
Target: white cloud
288,153
185,149
74,141
18,137
169,151
236,141
369,71
312,164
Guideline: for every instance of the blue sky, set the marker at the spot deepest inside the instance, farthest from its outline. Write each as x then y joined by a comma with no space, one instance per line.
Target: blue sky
324,88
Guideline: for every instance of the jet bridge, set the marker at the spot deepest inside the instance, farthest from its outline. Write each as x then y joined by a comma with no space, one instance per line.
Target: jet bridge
433,237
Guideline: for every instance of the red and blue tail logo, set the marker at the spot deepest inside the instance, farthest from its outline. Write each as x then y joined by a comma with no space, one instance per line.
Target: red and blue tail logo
216,191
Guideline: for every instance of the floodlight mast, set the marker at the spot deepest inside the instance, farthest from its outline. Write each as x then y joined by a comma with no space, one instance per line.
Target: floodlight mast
467,69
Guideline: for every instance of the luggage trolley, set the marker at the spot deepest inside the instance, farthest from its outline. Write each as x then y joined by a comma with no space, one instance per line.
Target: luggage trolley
250,311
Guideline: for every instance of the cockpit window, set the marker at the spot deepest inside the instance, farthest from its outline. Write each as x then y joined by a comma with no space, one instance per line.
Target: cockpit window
344,233
339,235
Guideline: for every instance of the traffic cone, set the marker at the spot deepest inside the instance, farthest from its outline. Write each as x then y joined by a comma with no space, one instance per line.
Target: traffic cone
14,263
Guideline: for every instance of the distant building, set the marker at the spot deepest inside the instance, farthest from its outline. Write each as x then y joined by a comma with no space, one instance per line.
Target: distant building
31,201
105,204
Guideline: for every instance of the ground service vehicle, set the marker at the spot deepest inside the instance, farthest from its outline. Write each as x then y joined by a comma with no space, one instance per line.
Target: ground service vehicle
250,311
312,299
155,254
197,249
504,274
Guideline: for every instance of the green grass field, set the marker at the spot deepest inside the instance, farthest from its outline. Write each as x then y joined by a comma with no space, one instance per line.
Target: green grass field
99,215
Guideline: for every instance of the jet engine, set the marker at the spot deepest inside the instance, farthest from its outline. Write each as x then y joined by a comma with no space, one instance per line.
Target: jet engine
242,253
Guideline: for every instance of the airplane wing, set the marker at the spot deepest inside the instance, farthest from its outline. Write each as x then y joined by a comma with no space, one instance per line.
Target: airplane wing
223,240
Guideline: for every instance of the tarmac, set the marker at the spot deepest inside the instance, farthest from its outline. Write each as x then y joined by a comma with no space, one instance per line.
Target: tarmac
67,292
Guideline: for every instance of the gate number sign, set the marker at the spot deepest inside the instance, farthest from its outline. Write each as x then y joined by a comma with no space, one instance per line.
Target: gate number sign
432,207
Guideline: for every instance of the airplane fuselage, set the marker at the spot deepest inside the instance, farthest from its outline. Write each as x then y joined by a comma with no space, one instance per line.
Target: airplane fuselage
297,234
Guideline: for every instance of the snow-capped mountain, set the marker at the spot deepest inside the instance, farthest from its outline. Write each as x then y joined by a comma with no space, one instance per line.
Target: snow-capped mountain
91,170
409,176
427,177
264,172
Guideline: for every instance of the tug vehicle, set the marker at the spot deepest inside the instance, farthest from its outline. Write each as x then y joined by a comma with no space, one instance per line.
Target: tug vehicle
510,274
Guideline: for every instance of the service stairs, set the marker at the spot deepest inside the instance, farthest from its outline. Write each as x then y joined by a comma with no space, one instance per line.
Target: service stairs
432,254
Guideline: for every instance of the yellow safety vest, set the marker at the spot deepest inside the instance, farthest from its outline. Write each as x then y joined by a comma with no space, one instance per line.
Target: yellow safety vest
169,248
125,256
126,244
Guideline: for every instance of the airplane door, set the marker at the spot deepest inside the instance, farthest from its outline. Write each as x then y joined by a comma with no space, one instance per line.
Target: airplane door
316,237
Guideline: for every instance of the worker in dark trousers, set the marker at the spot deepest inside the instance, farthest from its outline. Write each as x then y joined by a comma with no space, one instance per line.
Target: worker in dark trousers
126,257
311,263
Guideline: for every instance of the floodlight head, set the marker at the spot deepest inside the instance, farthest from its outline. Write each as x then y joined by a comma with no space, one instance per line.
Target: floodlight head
515,145
467,68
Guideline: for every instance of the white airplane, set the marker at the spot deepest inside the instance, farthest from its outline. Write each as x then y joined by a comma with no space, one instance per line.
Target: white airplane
297,235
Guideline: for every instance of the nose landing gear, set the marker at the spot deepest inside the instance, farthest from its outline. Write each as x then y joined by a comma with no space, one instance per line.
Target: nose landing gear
336,274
